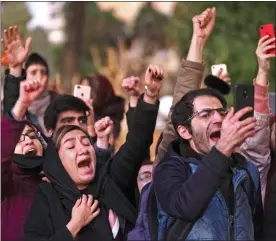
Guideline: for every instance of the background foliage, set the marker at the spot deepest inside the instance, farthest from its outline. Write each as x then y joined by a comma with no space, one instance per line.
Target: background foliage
233,41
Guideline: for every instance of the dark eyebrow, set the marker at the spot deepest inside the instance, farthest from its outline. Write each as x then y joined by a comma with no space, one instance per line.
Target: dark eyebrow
67,119
29,131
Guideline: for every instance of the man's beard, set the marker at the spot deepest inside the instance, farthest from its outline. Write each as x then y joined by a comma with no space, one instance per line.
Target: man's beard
201,142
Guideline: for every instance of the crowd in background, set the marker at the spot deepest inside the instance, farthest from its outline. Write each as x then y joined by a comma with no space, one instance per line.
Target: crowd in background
212,176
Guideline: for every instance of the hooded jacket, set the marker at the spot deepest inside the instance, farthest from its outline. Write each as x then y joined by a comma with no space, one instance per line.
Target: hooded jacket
116,180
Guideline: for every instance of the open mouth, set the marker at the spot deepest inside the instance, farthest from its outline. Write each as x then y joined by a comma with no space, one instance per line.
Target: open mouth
31,152
84,163
215,136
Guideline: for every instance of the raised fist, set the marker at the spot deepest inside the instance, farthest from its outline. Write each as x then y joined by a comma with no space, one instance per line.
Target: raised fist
104,128
153,80
131,86
203,23
30,90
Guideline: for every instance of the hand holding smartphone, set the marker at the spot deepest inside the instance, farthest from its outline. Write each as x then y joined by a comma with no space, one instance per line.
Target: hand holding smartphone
243,97
268,29
83,92
217,67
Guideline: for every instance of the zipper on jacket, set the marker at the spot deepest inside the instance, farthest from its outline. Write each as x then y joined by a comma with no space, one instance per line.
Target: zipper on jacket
232,224
232,215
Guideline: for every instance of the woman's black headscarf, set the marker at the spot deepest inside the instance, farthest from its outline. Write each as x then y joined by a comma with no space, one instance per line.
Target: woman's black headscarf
31,164
69,193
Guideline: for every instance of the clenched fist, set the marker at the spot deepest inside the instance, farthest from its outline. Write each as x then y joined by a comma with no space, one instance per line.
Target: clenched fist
104,128
30,90
153,80
203,23
131,86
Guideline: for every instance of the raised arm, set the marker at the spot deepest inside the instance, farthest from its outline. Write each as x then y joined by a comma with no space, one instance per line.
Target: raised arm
127,161
191,72
131,88
257,148
17,54
12,129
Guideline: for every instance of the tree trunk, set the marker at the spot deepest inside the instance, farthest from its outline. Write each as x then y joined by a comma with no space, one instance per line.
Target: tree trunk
75,16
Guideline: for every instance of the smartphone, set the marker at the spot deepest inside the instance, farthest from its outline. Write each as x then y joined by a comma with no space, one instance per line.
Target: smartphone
268,29
243,97
272,103
83,92
216,67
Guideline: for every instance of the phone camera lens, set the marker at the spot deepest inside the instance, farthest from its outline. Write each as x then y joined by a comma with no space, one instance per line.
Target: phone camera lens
78,87
81,94
245,94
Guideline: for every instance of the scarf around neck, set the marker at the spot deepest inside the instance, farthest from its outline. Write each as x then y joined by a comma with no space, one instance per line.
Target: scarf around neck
38,108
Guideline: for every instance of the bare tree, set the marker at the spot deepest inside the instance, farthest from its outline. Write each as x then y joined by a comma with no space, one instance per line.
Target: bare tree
75,17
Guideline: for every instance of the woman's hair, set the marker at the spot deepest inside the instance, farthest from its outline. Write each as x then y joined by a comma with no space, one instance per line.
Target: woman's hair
62,131
102,91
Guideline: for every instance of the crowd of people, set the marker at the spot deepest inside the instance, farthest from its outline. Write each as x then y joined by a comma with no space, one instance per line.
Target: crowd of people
213,177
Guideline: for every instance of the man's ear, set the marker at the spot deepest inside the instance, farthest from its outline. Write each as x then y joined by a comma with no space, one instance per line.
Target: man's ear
184,132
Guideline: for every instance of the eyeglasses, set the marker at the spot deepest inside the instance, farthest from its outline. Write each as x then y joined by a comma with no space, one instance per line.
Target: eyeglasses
31,135
144,176
207,113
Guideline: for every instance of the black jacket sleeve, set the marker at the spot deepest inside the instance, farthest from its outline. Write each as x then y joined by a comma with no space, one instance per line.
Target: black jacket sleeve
129,116
186,196
127,161
38,226
11,90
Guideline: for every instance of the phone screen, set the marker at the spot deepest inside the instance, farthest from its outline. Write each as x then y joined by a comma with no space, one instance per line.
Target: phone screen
244,97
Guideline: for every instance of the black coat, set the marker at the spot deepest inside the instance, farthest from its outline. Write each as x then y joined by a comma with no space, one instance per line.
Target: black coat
115,185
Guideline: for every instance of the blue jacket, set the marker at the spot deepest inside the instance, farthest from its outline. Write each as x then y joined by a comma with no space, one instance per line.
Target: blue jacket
180,185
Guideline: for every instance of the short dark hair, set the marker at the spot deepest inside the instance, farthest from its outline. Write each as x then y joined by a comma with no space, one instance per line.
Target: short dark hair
60,133
36,58
60,104
184,109
146,162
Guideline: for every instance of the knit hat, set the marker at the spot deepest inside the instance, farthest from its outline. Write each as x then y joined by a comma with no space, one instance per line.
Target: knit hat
35,58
